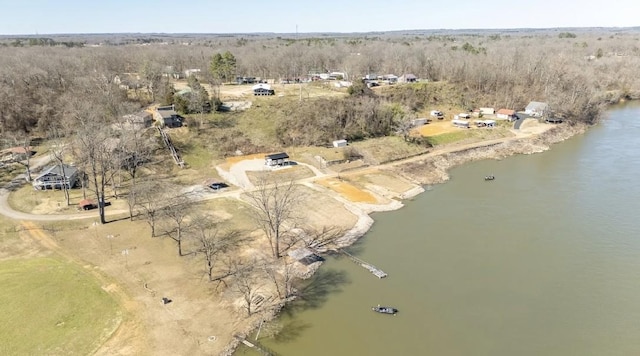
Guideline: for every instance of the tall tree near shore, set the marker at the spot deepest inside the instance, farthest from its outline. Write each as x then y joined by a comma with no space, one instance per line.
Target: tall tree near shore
274,206
212,241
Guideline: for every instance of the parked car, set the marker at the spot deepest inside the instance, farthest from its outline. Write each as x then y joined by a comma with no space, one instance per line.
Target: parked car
218,185
88,204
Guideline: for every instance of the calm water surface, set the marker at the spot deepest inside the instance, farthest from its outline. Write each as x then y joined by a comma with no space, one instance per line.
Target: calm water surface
545,260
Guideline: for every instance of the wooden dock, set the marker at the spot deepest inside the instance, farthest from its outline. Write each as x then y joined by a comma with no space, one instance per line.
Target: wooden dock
371,268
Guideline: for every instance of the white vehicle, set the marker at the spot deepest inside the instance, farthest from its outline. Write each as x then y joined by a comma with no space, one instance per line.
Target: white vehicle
464,116
437,114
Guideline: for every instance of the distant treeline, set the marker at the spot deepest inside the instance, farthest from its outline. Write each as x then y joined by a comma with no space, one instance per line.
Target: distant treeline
574,73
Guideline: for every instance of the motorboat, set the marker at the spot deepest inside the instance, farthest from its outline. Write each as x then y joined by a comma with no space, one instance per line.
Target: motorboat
489,177
385,310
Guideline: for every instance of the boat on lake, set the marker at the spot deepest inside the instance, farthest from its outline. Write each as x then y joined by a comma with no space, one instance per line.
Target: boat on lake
385,310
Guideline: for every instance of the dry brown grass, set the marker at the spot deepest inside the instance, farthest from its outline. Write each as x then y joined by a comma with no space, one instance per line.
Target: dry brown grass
436,127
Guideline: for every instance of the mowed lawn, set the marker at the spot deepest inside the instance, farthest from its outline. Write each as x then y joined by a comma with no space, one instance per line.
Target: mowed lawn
50,307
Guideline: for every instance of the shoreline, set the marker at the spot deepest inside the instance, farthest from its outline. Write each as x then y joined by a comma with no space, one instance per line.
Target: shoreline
442,162
439,161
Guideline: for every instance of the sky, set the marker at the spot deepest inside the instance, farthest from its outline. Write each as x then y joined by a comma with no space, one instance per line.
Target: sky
29,17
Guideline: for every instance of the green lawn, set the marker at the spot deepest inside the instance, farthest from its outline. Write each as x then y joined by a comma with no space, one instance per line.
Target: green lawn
50,307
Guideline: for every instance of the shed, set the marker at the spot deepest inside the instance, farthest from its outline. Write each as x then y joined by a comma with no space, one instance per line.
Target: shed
487,111
276,159
340,143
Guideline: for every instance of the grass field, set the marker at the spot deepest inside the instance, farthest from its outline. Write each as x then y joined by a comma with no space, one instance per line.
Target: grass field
50,307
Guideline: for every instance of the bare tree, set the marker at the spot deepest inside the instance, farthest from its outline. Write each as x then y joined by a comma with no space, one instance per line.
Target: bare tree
247,286
275,206
212,241
149,198
177,211
281,273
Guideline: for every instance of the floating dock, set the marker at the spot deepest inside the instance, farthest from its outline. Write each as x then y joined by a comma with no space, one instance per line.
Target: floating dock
371,268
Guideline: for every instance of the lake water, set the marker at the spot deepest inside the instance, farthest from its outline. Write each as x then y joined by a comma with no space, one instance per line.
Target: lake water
544,260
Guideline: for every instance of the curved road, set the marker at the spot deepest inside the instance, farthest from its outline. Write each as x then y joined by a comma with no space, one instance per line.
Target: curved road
200,194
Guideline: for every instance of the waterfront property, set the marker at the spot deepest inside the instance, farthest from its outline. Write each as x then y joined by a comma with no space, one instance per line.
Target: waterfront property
56,177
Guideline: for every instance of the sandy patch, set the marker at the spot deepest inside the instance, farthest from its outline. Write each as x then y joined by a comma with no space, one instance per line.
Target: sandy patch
349,191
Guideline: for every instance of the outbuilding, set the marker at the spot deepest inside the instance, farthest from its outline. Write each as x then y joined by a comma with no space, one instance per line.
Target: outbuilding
340,143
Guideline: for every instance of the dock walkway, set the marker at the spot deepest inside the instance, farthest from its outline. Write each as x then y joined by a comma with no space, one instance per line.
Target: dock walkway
371,268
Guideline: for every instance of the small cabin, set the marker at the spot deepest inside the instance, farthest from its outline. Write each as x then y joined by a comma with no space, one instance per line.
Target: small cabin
263,89
276,159
340,143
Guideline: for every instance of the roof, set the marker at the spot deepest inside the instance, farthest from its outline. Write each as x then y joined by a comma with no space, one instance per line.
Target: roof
274,156
537,106
506,112
57,170
85,202
261,86
167,113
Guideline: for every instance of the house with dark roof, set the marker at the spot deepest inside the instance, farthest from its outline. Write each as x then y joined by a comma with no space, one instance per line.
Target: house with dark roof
57,176
276,159
407,78
168,117
262,89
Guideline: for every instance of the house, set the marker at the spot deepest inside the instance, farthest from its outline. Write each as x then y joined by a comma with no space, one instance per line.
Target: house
407,78
340,143
390,78
137,121
262,89
57,176
167,116
276,159
537,109
506,114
